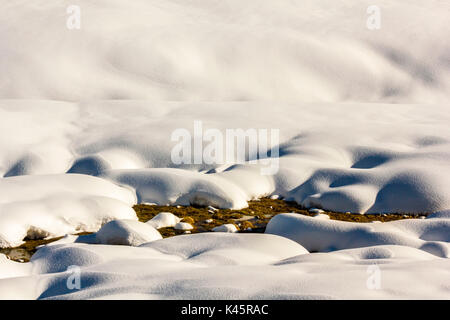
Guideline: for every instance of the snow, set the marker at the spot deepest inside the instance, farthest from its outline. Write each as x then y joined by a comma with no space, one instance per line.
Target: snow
440,214
431,235
11,269
183,226
181,187
324,216
127,232
363,125
373,105
231,266
54,205
299,50
316,210
164,220
394,159
228,227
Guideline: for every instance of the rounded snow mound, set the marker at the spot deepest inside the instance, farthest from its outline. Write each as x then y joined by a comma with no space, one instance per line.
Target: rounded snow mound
229,227
182,187
164,220
216,52
43,206
127,232
224,266
323,235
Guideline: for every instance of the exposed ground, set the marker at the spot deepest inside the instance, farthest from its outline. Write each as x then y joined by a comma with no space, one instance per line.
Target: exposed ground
251,219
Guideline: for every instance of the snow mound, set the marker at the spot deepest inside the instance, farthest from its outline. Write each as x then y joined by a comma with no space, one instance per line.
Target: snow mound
127,232
228,266
204,248
183,226
164,220
374,135
441,214
181,187
321,216
11,269
325,235
54,205
229,227
313,51
357,157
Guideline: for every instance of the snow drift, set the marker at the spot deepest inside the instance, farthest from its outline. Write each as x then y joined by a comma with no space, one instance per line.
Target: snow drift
86,118
322,235
366,130
226,266
357,157
54,205
299,50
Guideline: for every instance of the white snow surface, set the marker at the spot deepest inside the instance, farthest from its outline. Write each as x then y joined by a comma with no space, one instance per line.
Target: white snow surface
363,114
86,118
323,235
41,206
227,266
362,158
127,232
229,227
164,220
300,50
183,226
